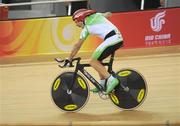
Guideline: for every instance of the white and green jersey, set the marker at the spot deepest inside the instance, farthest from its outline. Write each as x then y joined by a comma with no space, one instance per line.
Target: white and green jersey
97,24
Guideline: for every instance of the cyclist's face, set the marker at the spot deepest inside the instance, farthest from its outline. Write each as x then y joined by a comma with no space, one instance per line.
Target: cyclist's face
79,23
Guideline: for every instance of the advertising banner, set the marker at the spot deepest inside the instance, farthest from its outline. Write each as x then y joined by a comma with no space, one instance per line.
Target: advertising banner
151,28
141,29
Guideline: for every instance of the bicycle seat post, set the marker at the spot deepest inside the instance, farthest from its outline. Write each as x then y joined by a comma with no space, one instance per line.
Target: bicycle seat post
111,63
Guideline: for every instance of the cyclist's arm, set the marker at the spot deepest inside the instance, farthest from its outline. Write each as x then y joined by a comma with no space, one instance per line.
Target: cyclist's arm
77,46
107,14
75,49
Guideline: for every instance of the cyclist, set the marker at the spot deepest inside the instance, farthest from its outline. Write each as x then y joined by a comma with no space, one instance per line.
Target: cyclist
95,23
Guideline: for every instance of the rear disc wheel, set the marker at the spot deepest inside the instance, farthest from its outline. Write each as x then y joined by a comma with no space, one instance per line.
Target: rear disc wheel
136,94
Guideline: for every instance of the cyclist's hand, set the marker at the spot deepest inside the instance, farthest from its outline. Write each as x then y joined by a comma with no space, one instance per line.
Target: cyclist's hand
67,63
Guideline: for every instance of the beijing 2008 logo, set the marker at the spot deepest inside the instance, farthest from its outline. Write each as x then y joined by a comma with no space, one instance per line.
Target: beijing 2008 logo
157,21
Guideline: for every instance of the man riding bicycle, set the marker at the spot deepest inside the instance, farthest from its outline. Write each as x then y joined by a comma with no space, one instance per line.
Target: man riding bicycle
95,23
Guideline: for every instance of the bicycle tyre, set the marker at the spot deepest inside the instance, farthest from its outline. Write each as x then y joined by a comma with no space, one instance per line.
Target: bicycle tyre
70,100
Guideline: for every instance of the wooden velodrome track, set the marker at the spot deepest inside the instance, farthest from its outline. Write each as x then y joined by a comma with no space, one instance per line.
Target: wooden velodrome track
26,100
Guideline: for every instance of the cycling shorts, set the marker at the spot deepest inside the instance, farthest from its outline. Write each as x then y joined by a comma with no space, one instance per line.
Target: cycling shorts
109,46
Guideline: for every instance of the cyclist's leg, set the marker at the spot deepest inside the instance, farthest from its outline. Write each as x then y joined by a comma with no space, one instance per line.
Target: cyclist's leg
96,64
112,82
103,51
103,74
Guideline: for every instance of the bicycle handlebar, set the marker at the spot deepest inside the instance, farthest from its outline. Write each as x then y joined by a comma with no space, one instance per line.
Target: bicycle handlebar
64,62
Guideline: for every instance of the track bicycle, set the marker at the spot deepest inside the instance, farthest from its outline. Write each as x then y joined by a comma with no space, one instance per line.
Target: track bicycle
70,90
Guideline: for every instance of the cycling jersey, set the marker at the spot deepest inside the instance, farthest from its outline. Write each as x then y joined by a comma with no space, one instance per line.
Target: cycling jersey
97,24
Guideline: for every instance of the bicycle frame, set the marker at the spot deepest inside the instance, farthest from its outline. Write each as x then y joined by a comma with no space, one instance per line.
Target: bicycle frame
132,87
80,67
